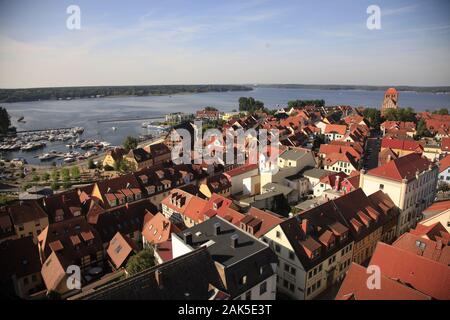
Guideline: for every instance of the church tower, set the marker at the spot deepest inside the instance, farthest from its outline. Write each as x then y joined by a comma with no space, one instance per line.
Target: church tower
390,100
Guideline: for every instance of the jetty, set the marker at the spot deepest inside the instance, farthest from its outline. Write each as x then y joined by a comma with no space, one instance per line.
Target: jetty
130,119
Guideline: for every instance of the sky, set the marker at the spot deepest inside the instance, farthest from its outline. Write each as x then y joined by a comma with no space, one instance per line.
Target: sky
145,42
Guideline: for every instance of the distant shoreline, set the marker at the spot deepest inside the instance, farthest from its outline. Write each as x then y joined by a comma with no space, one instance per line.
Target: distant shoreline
434,89
97,92
73,93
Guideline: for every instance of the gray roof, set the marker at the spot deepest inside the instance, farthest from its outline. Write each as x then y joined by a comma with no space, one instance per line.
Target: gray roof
293,154
278,188
184,278
251,257
316,173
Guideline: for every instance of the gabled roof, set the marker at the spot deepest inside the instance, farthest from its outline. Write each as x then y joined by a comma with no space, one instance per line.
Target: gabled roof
26,211
424,275
409,145
192,276
336,128
127,218
437,207
444,163
402,168
445,144
158,228
250,257
434,250
259,222
19,257
354,287
241,170
120,248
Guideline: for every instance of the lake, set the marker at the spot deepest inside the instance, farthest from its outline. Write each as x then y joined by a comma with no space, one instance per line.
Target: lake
86,112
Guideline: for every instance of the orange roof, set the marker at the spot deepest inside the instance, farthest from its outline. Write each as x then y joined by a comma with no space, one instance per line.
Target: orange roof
409,145
354,287
158,228
260,221
402,168
444,163
338,128
391,91
425,275
445,144
241,170
438,207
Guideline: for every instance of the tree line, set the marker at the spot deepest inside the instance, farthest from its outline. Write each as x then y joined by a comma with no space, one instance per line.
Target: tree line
34,94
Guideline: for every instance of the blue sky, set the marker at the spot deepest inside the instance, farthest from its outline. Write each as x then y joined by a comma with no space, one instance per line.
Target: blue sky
255,41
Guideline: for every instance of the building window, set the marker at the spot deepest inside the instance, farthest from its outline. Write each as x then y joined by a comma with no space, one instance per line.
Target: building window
277,248
243,280
381,186
291,255
278,234
248,295
263,288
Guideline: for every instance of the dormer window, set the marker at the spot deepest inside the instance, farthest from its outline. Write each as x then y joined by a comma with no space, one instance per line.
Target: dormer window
243,280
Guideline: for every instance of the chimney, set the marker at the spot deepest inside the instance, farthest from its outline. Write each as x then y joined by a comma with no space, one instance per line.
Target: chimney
158,277
234,240
305,224
336,182
216,228
188,238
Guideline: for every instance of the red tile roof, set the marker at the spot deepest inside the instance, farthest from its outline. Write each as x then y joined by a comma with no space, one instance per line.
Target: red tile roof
425,275
445,144
260,222
402,168
354,287
438,207
242,169
158,228
336,128
120,248
427,248
408,145
444,163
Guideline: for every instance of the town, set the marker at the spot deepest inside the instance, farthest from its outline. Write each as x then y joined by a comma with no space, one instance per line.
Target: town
355,188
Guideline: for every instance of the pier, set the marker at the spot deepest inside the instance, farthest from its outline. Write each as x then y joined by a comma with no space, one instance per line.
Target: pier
41,130
130,119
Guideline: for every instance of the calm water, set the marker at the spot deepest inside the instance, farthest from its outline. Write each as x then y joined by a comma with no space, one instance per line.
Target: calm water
86,112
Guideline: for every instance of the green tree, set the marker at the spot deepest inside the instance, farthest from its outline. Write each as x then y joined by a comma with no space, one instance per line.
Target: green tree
400,114
442,111
75,172
54,186
36,178
373,116
210,109
5,121
45,176
141,261
250,104
66,184
55,175
130,143
26,186
421,129
443,186
65,174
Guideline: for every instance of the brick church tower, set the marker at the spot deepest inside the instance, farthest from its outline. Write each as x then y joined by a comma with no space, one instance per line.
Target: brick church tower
390,100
